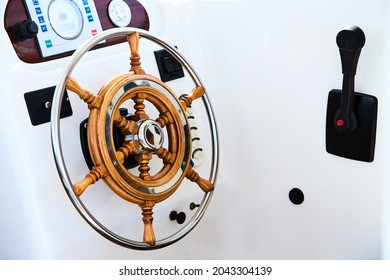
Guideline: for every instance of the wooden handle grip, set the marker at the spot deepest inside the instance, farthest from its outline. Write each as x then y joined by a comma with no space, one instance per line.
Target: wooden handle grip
133,40
92,100
147,213
196,93
92,177
204,184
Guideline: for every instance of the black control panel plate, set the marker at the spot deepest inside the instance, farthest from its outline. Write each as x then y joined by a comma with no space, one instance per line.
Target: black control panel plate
360,143
39,105
168,67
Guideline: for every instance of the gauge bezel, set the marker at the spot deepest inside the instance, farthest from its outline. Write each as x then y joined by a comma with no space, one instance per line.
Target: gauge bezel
125,8
79,17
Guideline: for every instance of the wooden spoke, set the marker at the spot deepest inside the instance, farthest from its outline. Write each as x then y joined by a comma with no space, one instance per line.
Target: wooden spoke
166,156
100,171
92,177
144,168
196,93
165,119
139,107
147,213
127,149
93,101
135,58
204,184
124,124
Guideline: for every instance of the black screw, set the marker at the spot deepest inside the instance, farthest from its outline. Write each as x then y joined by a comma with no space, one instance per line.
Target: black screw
193,205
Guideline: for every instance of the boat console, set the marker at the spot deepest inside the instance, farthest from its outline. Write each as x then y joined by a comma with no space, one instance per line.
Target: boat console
216,129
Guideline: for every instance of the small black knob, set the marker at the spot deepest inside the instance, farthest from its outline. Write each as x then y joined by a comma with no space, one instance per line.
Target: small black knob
123,112
25,30
173,215
179,217
296,196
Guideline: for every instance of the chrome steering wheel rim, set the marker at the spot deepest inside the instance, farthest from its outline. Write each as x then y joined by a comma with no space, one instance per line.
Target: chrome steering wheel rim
58,152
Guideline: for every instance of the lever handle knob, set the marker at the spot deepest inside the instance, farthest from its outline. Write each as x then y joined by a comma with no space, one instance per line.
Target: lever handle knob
350,41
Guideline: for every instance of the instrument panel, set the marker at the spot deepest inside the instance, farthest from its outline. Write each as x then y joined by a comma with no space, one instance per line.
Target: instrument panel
62,25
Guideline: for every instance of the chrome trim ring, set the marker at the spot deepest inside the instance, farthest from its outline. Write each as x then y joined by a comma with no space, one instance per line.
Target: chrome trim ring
150,135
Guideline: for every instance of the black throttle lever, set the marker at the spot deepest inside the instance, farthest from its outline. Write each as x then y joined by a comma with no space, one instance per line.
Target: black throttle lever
351,116
350,42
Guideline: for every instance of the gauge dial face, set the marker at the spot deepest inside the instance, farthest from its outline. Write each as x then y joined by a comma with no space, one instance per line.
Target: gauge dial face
65,18
119,13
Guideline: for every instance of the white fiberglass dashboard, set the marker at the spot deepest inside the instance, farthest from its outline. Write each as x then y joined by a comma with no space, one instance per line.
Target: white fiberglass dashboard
268,68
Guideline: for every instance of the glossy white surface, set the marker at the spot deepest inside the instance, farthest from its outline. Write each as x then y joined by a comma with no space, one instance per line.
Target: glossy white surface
268,67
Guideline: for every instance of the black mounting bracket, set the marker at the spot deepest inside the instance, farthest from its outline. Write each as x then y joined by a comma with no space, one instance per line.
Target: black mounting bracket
118,138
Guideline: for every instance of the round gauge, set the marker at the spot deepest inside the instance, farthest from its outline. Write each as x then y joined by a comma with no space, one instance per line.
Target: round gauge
119,13
65,18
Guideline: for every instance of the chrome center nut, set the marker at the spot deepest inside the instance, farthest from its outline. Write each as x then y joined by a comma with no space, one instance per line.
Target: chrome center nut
150,135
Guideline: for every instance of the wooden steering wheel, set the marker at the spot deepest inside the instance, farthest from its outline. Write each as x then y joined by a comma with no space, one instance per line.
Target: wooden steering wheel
166,137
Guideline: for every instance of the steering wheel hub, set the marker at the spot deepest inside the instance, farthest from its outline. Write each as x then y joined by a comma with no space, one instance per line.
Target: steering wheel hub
150,135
